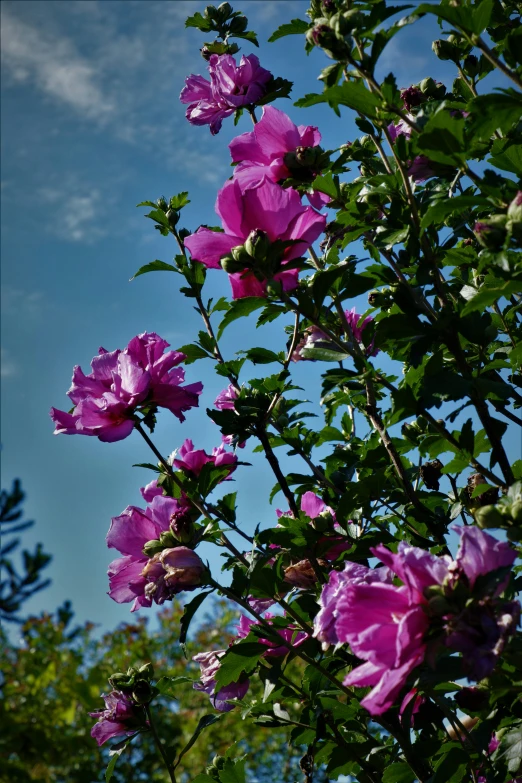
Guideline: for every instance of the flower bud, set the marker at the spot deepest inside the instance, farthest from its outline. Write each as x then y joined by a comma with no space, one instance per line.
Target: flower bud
122,681
257,245
411,97
439,606
488,516
146,671
182,526
491,232
471,66
516,511
514,214
151,548
167,539
225,9
445,50
432,89
142,692
172,217
231,265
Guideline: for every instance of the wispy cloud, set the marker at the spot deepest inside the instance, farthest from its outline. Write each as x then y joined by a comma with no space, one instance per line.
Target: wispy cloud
80,220
53,64
7,367
22,303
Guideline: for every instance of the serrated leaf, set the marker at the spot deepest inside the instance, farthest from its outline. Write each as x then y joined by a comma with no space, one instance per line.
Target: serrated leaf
239,658
351,94
239,309
294,27
489,294
154,266
510,749
167,685
443,207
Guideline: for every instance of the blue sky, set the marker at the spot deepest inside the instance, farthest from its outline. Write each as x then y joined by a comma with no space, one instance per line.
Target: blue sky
92,125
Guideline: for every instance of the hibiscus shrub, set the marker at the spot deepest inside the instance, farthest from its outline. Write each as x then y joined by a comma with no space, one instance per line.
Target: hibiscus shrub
404,624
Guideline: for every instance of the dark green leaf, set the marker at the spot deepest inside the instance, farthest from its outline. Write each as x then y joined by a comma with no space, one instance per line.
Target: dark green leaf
489,294
294,27
239,658
351,94
167,685
510,749
204,722
155,266
440,209
189,612
442,138
239,309
398,773
115,752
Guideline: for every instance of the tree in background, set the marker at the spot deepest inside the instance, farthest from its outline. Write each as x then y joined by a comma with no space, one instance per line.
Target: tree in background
56,675
17,586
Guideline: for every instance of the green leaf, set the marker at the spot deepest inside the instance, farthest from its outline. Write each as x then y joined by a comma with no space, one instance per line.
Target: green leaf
148,465
442,139
115,752
507,157
440,209
239,658
482,15
180,200
204,723
489,294
202,778
194,352
199,21
326,184
154,266
398,773
495,111
261,356
166,685
189,612
294,27
510,749
452,767
233,771
239,309
351,94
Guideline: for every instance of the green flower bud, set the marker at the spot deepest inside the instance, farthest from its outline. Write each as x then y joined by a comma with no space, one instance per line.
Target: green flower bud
516,511
488,516
146,671
439,606
432,89
172,217
445,50
167,539
142,692
471,66
257,245
231,265
491,232
152,548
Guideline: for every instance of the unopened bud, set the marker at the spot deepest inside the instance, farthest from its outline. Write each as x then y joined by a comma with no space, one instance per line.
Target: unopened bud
445,50
257,245
167,539
471,66
491,232
142,692
488,516
432,89
431,473
182,526
152,548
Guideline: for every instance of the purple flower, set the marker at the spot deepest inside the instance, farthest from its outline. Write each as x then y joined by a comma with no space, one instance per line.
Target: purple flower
290,635
400,129
277,149
479,554
269,209
120,716
210,663
418,700
421,169
105,400
136,576
230,87
353,319
225,399
411,97
354,573
150,491
192,460
315,508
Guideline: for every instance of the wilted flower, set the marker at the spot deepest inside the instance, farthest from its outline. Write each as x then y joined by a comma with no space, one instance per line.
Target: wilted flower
105,400
269,209
278,149
230,87
210,663
120,716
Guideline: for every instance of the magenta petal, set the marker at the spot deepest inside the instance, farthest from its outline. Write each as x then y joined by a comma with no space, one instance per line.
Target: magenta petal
386,691
312,505
307,226
66,423
107,729
196,88
479,553
125,578
210,246
116,432
366,674
275,133
271,209
245,147
246,285
130,531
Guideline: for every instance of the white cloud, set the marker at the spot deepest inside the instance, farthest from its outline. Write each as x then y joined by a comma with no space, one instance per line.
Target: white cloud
22,303
7,367
79,220
53,64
